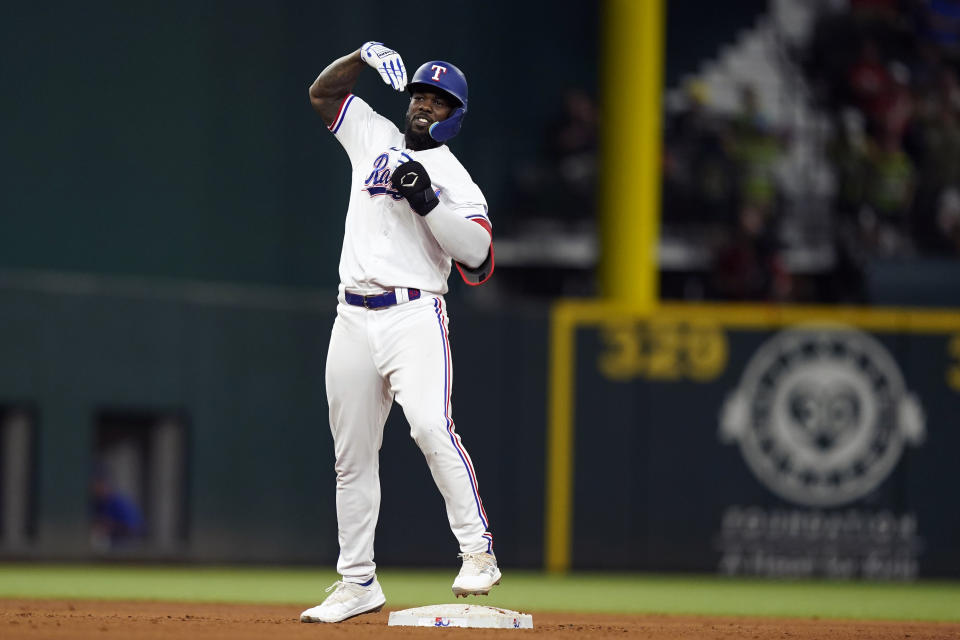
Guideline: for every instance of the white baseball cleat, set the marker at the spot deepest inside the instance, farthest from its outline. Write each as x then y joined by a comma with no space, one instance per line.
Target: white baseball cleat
478,575
347,600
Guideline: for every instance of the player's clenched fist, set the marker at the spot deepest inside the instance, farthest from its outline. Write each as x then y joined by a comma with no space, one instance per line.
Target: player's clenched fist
413,183
387,62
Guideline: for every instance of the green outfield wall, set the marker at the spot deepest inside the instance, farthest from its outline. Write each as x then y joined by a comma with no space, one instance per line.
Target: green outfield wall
241,370
742,440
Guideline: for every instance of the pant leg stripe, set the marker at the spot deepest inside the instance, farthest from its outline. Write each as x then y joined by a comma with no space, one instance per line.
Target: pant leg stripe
454,438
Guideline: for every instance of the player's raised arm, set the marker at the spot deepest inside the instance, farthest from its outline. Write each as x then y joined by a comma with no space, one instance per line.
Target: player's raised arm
335,82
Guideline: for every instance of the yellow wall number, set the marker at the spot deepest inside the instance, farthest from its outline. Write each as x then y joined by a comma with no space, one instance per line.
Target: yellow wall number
706,351
622,357
662,350
953,373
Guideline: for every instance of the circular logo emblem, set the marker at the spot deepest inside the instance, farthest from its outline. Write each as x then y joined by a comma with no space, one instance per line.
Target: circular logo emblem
822,415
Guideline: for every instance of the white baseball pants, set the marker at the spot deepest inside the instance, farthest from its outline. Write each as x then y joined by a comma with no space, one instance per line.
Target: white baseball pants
377,355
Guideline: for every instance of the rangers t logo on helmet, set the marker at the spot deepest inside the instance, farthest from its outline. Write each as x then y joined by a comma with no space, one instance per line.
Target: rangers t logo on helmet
446,77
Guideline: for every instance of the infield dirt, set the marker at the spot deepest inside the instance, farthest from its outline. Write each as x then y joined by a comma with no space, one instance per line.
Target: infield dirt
85,619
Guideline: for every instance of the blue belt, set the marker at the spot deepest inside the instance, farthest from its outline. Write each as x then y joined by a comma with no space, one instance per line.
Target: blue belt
378,301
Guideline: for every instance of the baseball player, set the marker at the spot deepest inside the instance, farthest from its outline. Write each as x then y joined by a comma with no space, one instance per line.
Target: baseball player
413,209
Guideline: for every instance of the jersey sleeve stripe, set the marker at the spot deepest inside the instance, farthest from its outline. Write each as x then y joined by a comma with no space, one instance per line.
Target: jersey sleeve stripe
335,125
483,222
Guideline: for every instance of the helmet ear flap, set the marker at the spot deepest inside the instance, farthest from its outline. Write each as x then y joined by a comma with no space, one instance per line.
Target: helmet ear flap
446,129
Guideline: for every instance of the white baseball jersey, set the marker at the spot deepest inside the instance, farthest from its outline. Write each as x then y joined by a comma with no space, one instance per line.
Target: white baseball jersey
401,352
385,243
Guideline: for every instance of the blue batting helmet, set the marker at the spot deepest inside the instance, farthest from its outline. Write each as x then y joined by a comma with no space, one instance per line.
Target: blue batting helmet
438,74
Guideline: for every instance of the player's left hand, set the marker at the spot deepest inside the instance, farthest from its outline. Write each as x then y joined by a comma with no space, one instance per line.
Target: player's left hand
387,62
413,183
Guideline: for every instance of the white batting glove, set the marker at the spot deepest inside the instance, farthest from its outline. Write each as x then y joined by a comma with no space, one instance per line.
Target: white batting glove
387,62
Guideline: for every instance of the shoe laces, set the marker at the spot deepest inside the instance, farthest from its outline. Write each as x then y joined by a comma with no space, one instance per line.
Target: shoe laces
478,561
343,591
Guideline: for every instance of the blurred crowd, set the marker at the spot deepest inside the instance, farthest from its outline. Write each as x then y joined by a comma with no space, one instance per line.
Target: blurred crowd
888,72
560,182
885,74
884,78
548,237
720,190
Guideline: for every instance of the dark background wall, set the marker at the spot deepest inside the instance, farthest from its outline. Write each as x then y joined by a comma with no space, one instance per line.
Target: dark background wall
177,139
679,493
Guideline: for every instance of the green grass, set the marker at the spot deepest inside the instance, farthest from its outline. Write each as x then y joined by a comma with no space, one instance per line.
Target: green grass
521,590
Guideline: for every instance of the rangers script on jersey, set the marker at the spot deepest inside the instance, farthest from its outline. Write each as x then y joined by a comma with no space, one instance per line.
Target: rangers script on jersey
385,244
